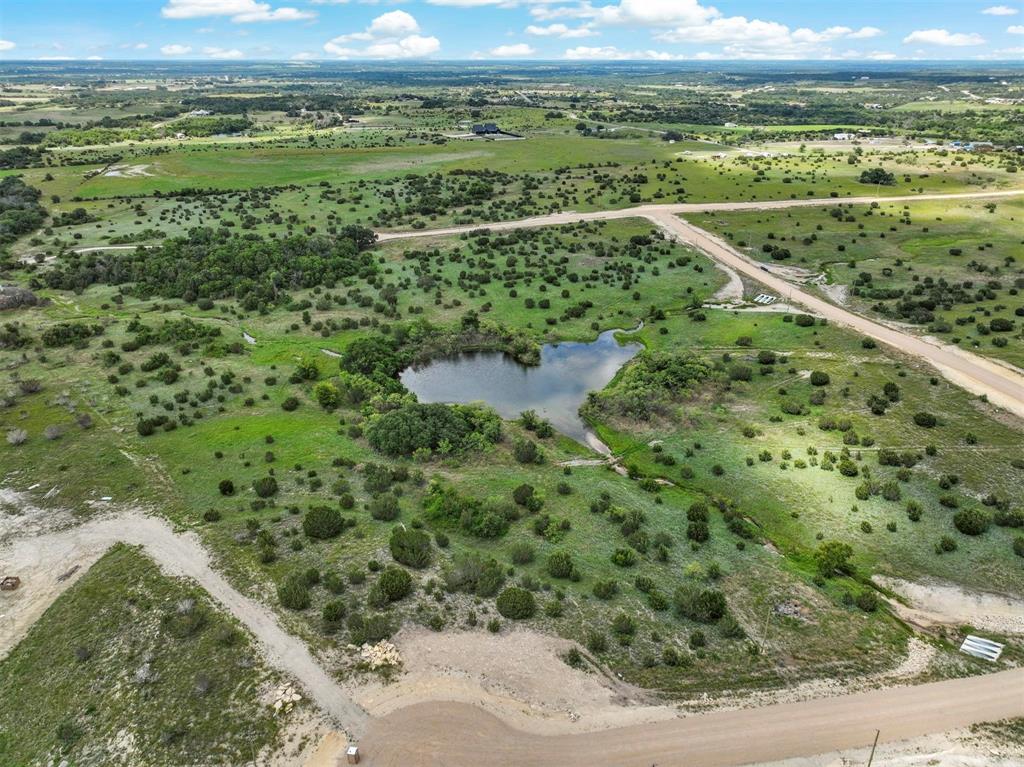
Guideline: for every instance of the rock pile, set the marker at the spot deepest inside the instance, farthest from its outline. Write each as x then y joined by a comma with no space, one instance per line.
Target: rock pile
381,654
285,699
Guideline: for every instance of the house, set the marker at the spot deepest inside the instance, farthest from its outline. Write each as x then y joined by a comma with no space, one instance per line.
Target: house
180,136
486,129
199,113
844,136
980,146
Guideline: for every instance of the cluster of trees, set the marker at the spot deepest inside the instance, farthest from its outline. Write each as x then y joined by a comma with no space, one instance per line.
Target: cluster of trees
20,211
434,427
216,264
649,385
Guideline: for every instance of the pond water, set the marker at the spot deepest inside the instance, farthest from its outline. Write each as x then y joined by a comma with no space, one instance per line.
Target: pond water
555,389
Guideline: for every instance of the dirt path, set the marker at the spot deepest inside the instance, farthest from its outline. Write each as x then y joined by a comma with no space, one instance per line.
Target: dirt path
1002,385
41,561
650,211
425,734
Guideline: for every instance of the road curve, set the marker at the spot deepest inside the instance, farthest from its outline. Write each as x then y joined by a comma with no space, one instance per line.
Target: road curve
460,735
1002,385
41,558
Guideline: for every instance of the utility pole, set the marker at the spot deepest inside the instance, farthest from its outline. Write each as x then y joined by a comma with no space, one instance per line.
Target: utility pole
871,758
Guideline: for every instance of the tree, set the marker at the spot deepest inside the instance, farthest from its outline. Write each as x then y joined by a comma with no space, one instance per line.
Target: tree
833,557
327,395
410,547
516,603
323,522
878,176
819,378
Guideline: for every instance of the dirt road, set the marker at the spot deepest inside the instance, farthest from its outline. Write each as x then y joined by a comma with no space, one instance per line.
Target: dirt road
679,209
40,560
1002,385
457,735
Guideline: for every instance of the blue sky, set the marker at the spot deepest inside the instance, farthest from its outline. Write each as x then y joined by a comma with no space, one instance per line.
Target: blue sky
511,29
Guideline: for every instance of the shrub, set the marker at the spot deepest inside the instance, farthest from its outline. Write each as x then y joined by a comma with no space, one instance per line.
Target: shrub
526,451
472,574
624,624
624,557
294,593
265,487
697,531
925,420
972,521
323,522
516,603
833,557
596,642
394,584
333,614
606,589
866,601
1018,545
698,604
384,507
226,487
521,553
410,547
560,564
818,378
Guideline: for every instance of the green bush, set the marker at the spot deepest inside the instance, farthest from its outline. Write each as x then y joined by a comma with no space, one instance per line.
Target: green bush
265,487
294,593
516,603
560,564
699,604
410,547
322,522
384,507
394,584
971,521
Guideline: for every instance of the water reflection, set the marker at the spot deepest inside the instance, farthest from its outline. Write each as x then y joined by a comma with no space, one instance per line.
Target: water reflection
555,389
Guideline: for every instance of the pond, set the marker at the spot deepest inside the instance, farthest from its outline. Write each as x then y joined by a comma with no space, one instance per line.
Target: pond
555,389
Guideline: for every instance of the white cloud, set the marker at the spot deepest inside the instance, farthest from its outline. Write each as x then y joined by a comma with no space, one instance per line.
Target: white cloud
140,46
944,37
610,52
392,35
559,30
1016,29
469,3
1000,10
6,45
303,56
94,58
864,33
240,11
175,50
517,50
413,46
223,53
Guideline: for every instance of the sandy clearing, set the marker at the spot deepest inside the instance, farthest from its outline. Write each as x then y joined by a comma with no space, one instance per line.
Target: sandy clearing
946,603
41,559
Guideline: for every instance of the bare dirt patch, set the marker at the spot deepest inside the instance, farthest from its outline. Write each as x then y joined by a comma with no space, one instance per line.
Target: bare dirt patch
942,603
518,676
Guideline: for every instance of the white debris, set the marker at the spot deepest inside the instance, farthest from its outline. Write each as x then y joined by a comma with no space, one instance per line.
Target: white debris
383,653
285,699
